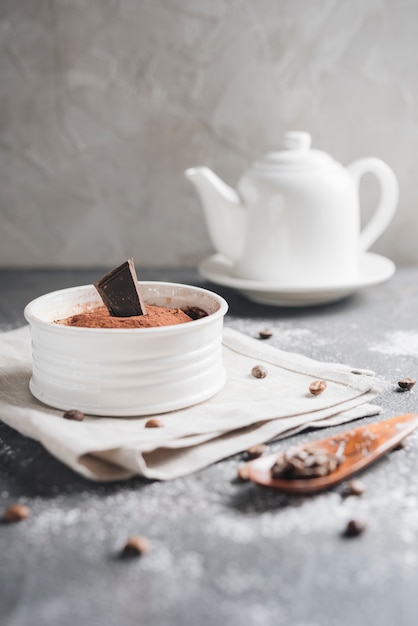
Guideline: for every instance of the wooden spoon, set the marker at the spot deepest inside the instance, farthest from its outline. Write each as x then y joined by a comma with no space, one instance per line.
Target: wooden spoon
359,448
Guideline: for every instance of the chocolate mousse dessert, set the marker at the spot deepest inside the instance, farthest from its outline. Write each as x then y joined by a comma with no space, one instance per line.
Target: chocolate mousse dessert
101,318
124,307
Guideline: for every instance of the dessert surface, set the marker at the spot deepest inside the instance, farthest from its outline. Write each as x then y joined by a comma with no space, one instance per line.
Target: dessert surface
101,318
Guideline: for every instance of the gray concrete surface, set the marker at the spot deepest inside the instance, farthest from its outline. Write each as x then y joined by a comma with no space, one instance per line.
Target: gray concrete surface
104,103
223,552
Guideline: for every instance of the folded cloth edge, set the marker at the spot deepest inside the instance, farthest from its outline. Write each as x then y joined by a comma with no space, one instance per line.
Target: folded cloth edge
106,461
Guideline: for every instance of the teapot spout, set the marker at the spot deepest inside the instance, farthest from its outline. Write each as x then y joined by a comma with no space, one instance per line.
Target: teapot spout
224,213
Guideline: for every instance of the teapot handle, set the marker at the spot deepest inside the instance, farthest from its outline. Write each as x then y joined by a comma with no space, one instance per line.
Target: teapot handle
389,195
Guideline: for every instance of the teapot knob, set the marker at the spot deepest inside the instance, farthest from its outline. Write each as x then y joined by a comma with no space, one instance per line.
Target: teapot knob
297,140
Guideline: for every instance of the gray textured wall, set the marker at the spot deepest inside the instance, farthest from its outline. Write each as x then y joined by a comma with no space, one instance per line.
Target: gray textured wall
104,103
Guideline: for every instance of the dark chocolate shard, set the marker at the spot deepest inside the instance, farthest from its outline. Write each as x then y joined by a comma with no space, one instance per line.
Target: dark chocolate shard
119,291
194,312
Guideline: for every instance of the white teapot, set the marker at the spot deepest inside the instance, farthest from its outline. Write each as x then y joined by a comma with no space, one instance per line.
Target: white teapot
295,218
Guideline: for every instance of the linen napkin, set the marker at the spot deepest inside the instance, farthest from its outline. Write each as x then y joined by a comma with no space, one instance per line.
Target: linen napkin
246,412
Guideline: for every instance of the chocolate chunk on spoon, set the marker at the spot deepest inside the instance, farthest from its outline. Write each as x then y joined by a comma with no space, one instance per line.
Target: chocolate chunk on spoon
119,291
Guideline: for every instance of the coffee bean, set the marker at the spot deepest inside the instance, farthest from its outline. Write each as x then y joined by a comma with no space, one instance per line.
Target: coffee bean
355,487
302,463
317,387
354,528
265,334
259,371
154,423
136,545
74,415
407,383
243,473
15,513
256,451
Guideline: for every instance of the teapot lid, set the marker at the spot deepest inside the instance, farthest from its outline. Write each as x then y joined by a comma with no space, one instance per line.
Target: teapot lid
297,155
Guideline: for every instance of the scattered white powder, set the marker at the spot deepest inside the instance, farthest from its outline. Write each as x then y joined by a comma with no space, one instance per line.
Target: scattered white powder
285,336
398,342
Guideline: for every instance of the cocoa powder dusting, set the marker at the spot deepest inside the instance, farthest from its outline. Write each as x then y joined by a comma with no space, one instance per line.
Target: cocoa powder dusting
101,318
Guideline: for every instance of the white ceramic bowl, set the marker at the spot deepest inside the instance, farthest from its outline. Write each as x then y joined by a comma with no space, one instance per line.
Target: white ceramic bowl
122,372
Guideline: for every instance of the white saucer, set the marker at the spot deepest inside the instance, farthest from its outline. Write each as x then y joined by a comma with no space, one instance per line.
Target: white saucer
374,269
